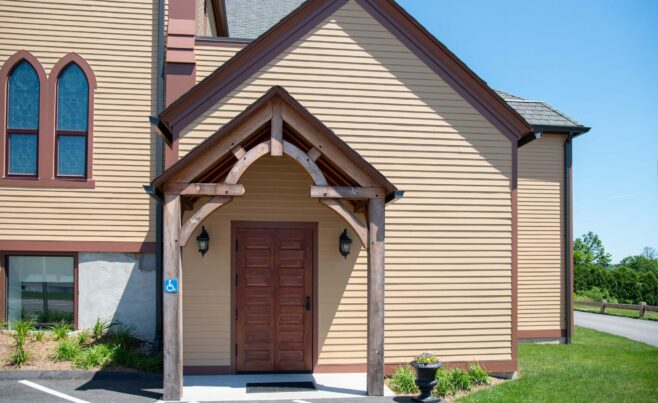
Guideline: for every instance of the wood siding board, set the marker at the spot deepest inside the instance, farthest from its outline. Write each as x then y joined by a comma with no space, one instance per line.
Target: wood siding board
123,148
541,227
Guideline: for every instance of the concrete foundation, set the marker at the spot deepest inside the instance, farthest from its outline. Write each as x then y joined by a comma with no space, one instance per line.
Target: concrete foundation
119,287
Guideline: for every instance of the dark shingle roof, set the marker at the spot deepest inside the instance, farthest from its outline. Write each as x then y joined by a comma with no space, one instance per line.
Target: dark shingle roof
538,113
249,18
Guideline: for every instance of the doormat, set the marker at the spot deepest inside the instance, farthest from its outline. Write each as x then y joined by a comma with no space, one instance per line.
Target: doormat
273,387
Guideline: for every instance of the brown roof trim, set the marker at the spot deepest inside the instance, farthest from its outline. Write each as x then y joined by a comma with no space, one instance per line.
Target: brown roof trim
448,66
246,62
219,14
279,92
308,15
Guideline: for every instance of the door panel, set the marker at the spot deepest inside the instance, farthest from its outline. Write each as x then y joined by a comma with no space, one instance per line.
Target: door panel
274,323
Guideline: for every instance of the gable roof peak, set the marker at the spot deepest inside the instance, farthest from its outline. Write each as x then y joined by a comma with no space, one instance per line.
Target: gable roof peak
302,20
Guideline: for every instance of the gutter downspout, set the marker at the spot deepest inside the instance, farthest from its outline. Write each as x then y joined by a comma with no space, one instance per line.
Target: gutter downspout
568,235
159,165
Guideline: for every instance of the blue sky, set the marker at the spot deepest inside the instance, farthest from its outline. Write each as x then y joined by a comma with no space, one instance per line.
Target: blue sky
596,61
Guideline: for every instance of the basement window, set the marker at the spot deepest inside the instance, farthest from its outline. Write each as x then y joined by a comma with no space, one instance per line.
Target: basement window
41,288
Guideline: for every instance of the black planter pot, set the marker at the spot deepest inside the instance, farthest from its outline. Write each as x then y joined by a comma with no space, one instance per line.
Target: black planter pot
426,380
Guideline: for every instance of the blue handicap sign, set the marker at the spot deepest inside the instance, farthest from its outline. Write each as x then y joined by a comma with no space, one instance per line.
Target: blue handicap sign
171,285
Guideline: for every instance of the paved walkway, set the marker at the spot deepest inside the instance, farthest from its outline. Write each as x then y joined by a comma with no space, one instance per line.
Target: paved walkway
645,331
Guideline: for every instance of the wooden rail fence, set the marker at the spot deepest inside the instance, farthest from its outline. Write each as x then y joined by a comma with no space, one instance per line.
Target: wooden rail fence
642,307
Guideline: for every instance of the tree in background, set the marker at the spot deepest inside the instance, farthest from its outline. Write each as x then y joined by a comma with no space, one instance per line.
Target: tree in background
589,250
633,280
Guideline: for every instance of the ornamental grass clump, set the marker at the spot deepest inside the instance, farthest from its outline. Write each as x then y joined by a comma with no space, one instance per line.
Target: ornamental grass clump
100,328
478,375
403,381
22,329
60,330
449,382
67,350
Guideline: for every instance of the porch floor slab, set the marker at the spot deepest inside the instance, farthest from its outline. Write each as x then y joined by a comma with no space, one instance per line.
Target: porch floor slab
234,387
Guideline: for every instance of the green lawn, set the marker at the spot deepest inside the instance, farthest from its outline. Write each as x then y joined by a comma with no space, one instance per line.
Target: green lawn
629,313
597,367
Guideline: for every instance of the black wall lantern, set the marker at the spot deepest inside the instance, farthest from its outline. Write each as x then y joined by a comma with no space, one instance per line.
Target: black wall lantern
203,240
344,244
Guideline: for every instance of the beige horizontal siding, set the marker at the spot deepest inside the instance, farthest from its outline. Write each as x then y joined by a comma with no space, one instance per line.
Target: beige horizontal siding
448,247
117,39
541,234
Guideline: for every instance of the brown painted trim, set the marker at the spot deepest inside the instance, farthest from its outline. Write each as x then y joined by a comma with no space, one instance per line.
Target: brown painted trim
515,248
542,334
180,65
63,63
313,226
266,47
207,370
222,42
249,60
47,121
502,366
568,209
3,290
219,12
59,183
76,246
448,66
5,71
273,93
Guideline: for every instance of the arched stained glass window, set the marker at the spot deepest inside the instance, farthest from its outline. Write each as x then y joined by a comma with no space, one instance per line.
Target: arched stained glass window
72,122
22,120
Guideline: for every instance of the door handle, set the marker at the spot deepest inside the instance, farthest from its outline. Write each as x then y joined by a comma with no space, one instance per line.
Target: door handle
308,303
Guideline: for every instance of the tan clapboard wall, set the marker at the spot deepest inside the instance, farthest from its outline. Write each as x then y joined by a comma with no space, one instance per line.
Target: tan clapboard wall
541,234
117,39
448,253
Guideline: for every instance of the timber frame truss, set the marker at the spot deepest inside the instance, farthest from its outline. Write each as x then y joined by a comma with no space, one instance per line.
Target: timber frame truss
276,125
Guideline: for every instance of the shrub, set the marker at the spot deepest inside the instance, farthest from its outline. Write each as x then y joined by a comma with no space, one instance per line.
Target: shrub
19,356
67,350
460,379
403,381
60,330
124,335
444,386
23,327
39,336
478,375
149,363
98,355
100,328
597,294
83,336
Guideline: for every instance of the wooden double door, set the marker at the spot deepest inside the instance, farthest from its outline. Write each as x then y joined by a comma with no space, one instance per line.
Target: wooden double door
274,296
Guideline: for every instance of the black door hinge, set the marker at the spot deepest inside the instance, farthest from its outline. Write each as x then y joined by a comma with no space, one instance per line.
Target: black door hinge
236,313
236,280
236,244
236,349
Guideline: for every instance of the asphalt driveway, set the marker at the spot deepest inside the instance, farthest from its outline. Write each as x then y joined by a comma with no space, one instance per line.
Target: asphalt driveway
645,331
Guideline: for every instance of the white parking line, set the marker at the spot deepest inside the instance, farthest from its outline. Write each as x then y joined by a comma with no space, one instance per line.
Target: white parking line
52,392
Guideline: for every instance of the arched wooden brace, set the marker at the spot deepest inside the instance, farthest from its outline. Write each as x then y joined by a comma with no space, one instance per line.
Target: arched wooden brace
264,148
354,222
241,167
204,211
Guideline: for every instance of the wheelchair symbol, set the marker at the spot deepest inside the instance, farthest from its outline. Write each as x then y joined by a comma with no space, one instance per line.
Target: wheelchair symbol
171,286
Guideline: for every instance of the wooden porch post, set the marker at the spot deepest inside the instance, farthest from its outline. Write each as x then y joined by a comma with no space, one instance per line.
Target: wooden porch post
172,315
376,232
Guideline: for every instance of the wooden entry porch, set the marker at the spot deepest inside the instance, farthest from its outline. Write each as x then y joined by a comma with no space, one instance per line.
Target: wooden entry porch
279,126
